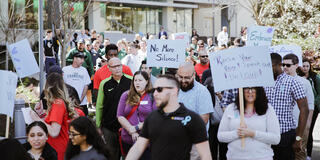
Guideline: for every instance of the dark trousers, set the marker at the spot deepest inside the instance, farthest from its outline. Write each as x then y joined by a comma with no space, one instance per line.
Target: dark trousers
84,109
145,156
284,150
216,147
50,61
310,138
112,143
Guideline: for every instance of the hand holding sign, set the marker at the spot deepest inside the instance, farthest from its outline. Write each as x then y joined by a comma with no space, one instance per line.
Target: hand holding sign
259,36
165,53
287,49
8,83
23,58
241,67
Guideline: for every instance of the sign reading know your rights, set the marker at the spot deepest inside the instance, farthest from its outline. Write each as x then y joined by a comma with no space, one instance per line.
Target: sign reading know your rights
287,49
259,36
241,67
165,53
8,83
23,58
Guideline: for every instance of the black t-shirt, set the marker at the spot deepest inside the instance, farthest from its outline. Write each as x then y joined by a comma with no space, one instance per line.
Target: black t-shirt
171,135
48,47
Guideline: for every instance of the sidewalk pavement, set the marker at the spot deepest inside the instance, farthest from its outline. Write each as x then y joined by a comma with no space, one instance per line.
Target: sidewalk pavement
316,140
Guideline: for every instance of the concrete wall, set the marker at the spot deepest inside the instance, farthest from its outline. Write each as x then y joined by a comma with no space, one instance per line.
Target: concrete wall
96,21
203,20
241,17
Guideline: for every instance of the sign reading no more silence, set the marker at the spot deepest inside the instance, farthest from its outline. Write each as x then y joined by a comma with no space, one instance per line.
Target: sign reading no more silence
165,53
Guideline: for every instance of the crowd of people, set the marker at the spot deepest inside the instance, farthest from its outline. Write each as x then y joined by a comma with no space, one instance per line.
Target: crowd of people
142,114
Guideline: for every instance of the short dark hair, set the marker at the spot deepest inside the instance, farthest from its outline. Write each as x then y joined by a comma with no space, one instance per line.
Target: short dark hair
293,57
110,47
171,78
260,104
276,58
86,127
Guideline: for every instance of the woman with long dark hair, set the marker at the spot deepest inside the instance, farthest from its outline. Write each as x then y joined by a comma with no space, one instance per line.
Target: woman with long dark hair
37,146
261,128
60,111
314,80
134,106
85,141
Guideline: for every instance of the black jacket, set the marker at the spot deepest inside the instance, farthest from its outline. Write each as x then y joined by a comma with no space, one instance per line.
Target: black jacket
48,152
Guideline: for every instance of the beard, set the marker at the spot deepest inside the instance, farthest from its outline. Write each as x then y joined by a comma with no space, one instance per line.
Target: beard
189,86
162,105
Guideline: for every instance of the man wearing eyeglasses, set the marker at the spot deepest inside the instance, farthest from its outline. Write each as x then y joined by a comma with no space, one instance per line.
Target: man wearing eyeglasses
193,95
172,129
104,72
110,91
203,65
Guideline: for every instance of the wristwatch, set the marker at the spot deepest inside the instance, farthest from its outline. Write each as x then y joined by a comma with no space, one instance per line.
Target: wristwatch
298,138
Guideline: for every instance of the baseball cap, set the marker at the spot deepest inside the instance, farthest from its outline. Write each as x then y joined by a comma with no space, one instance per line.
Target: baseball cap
82,41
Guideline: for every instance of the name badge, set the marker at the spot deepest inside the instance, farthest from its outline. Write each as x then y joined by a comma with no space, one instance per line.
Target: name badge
143,102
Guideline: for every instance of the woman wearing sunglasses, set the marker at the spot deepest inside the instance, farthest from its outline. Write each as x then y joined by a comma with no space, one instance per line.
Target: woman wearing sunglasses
261,129
85,141
134,106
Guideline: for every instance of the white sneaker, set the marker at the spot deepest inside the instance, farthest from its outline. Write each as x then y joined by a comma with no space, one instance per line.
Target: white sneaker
308,158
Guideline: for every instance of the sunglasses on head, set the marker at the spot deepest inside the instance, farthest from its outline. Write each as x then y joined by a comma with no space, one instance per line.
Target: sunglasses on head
160,89
286,65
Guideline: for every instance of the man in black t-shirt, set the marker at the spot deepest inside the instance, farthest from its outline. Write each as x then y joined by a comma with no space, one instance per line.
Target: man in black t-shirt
172,129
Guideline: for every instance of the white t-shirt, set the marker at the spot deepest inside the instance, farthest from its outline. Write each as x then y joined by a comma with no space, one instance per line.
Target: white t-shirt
132,61
77,78
222,38
310,98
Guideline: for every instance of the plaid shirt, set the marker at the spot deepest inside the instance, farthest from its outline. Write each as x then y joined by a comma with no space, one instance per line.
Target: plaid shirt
282,97
229,96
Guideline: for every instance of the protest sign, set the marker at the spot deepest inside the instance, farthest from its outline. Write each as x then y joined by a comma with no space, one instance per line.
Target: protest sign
241,67
165,53
23,58
183,36
259,36
287,49
8,83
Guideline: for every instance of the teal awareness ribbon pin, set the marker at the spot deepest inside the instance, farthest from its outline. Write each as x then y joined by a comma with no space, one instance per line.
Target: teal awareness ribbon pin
186,120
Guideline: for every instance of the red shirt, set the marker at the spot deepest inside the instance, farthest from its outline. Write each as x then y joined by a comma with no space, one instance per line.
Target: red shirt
104,73
200,68
59,114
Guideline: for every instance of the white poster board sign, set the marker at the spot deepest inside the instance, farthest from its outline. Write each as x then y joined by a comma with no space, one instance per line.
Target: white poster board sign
259,36
241,67
165,53
8,83
23,58
287,49
183,36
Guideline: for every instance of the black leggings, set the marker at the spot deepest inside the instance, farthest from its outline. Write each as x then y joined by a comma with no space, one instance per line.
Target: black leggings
310,138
